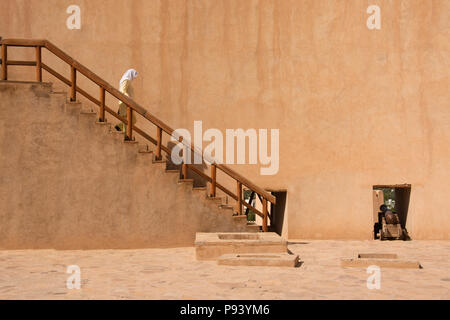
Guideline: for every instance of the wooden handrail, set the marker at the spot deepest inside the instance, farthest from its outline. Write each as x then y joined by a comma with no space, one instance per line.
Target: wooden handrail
97,102
143,112
113,91
21,63
23,42
132,106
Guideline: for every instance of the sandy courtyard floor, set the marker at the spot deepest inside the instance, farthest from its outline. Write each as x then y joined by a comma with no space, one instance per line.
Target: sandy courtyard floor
175,274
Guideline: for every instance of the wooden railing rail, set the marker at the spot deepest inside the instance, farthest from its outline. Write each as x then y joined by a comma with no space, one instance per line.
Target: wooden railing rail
132,106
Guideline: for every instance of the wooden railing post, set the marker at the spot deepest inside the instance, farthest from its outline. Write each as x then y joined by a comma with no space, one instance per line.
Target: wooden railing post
184,165
4,75
158,143
184,170
73,80
129,133
101,111
38,64
239,198
212,192
264,222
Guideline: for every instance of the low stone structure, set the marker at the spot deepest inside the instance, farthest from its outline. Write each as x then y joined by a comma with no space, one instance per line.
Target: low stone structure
377,256
210,246
245,249
382,260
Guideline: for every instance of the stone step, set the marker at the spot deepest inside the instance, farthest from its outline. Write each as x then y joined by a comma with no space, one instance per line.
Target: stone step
186,181
226,206
131,142
259,259
377,256
103,123
119,135
216,199
88,112
382,263
253,227
41,89
145,149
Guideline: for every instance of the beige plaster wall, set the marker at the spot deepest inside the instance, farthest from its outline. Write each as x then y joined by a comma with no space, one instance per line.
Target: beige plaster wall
355,107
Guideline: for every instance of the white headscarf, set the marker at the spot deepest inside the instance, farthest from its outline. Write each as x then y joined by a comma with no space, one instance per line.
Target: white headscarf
129,75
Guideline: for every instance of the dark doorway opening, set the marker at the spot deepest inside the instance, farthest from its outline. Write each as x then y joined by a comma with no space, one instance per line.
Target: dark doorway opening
396,198
276,213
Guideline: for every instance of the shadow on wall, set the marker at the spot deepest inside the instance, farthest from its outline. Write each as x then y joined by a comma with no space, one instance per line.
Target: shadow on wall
277,212
402,196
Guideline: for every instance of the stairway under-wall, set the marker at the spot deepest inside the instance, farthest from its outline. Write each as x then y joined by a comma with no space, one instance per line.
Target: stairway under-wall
69,182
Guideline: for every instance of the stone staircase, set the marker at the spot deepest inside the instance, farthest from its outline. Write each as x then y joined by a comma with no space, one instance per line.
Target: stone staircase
96,152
